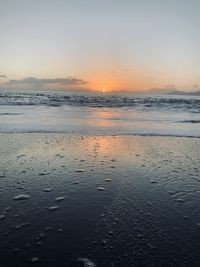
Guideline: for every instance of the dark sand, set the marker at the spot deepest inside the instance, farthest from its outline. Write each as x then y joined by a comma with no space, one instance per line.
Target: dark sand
99,201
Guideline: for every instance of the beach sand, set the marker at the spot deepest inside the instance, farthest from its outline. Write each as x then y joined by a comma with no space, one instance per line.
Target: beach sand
71,200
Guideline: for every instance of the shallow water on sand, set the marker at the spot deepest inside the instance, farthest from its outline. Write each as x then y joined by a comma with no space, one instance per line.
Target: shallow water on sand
99,114
99,201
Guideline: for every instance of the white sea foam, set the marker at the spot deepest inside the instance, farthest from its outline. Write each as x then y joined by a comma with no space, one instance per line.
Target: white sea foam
99,114
87,262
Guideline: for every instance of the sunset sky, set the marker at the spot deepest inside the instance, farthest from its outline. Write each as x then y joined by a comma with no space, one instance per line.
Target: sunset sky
107,45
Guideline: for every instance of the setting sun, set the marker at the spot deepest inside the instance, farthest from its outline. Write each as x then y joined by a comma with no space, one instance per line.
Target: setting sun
102,80
104,90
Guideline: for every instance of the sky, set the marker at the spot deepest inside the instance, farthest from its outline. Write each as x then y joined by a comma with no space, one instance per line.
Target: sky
107,45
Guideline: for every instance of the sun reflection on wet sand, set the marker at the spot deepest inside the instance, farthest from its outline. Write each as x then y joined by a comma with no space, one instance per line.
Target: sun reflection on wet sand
68,187
105,118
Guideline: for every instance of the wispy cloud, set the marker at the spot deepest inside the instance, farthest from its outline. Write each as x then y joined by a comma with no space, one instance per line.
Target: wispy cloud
3,76
41,82
165,90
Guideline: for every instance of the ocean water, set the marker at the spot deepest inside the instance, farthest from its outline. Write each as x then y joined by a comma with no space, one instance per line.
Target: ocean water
104,114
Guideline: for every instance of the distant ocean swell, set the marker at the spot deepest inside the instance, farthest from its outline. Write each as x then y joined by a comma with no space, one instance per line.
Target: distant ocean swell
186,103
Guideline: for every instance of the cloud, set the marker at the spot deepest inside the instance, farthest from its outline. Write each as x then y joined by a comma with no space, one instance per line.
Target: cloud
3,76
165,90
41,82
170,86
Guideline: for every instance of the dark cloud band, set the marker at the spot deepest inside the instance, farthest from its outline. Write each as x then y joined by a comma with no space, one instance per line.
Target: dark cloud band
41,82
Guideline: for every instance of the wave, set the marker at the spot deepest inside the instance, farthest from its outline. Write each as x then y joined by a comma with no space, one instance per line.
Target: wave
190,121
9,114
70,133
191,104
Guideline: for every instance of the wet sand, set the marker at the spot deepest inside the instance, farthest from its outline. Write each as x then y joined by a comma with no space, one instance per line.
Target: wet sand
71,200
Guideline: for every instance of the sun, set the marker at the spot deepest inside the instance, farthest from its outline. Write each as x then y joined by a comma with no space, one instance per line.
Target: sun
104,90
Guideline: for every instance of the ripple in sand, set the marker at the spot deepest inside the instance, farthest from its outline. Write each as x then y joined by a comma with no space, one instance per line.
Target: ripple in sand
48,228
21,197
87,262
20,156
53,207
7,209
81,170
59,199
76,182
180,200
47,190
100,188
153,182
2,217
34,259
112,166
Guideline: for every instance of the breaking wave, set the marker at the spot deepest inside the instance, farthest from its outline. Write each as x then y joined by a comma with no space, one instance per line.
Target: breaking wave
187,103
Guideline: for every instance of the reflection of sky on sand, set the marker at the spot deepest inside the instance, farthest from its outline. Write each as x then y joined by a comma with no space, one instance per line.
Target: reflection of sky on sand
106,118
110,147
148,198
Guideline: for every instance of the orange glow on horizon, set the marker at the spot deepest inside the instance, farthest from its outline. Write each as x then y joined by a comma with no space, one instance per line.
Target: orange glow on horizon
111,82
103,83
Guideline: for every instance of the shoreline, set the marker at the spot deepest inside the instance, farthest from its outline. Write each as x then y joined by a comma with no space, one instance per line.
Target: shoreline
99,135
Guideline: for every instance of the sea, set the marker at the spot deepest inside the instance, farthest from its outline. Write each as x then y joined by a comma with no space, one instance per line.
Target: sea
99,114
